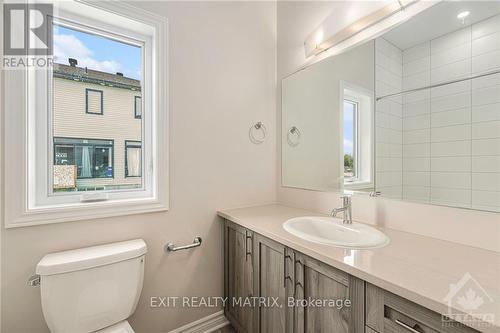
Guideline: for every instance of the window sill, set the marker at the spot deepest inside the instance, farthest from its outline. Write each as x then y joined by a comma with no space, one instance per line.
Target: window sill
85,211
358,185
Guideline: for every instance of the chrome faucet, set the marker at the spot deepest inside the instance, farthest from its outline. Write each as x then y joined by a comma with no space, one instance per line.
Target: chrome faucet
346,209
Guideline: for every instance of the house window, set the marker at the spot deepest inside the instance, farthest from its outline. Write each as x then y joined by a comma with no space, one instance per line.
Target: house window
133,157
64,166
92,158
93,101
350,140
137,107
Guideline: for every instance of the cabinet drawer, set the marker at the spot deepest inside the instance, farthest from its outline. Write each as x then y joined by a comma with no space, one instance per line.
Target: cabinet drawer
389,313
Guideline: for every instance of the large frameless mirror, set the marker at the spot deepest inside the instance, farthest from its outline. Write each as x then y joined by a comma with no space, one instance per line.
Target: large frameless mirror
413,114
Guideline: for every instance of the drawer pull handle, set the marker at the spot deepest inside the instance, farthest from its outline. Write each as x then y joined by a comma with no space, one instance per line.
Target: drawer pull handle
247,251
409,328
285,276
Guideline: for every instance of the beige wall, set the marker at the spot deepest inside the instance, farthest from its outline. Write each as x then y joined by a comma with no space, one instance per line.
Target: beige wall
222,80
117,123
296,19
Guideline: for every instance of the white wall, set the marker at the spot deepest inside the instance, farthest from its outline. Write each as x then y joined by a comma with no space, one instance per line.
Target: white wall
481,229
222,75
452,133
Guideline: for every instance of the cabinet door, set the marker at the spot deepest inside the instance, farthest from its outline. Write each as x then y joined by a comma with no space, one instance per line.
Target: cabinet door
271,283
238,276
325,286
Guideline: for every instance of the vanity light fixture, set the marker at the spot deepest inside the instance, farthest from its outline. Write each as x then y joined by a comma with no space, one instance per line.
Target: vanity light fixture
362,16
463,15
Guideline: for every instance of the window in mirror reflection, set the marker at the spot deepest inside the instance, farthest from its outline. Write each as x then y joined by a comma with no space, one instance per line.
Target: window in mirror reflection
350,140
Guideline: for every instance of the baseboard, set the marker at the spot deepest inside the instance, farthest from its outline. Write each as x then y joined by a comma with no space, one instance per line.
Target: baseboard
204,325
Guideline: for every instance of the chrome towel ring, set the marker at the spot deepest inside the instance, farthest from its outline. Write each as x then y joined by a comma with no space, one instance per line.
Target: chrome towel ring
293,136
255,138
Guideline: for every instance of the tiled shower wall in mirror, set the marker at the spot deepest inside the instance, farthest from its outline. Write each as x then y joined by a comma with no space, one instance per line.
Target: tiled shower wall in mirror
441,145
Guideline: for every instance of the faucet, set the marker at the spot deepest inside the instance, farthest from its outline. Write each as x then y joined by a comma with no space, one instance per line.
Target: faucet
346,209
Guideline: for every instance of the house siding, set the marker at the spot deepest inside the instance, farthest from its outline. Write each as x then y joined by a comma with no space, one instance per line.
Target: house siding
117,122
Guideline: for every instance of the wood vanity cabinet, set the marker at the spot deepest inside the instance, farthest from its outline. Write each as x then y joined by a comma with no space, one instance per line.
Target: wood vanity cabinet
256,266
315,280
278,272
389,313
271,282
238,275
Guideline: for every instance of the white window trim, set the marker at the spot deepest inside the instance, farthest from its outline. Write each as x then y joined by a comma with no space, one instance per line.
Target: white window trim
365,135
355,120
21,157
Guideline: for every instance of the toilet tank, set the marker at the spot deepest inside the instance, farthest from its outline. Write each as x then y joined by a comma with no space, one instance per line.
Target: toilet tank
87,289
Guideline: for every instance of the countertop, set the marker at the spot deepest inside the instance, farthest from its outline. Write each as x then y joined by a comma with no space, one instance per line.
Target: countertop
418,268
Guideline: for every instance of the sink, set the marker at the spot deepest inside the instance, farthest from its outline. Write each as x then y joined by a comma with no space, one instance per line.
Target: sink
331,231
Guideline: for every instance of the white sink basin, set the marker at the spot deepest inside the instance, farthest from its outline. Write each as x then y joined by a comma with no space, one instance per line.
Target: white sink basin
331,231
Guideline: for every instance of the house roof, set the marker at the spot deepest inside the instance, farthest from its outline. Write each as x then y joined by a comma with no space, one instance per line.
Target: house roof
89,75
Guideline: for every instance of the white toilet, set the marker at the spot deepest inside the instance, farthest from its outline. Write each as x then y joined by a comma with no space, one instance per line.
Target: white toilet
93,289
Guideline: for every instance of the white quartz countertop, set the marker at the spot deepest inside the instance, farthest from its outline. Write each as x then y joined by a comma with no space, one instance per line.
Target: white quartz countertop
415,267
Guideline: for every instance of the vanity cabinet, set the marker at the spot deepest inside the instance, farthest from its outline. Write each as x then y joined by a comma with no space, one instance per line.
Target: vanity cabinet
256,266
238,275
271,281
389,313
315,280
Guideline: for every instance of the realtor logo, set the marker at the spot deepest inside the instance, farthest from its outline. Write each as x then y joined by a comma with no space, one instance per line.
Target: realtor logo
470,299
27,30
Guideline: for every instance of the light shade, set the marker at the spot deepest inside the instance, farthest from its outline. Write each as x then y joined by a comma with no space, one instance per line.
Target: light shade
339,26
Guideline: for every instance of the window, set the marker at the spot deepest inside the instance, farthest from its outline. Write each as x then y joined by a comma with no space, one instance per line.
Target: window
93,101
69,165
133,165
357,120
92,158
350,140
137,107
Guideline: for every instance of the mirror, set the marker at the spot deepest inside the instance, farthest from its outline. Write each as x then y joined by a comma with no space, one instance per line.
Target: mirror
413,114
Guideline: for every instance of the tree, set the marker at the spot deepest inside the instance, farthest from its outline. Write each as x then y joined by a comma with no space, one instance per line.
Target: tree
348,162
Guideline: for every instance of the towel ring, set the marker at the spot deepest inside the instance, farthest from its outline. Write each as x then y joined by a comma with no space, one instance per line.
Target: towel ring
293,132
257,127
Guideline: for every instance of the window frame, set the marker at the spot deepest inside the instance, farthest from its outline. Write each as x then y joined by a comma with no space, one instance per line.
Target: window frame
365,129
135,107
87,101
355,142
29,147
128,145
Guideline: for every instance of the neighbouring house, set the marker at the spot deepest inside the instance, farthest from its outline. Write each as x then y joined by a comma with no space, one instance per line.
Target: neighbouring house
97,123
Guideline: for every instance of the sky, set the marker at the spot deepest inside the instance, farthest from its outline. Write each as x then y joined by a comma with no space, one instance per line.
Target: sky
96,52
348,128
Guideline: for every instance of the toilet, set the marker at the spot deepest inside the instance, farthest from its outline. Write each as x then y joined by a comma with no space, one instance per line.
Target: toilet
93,289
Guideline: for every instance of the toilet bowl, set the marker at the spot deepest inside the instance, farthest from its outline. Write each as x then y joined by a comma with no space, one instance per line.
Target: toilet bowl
93,289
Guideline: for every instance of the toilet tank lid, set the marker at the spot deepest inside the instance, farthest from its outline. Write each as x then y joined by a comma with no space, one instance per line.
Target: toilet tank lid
88,257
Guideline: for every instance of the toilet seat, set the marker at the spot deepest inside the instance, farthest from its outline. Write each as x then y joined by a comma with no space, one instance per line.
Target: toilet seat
121,327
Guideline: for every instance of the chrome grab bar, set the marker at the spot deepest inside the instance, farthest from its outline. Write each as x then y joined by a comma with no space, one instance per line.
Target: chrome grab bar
170,247
409,328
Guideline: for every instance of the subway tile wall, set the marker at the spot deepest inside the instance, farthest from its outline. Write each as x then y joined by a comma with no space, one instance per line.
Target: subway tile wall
388,119
450,135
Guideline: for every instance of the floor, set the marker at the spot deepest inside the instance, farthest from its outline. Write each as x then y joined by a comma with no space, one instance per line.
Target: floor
226,329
